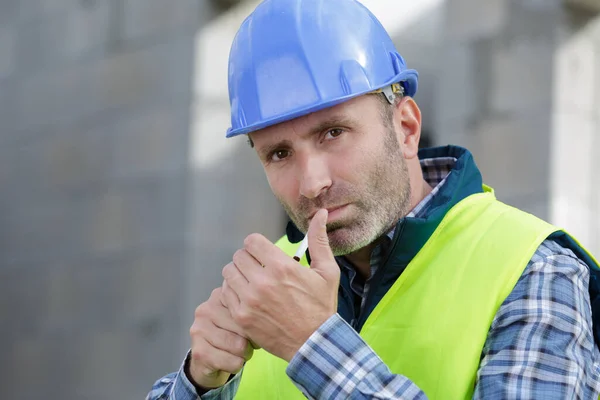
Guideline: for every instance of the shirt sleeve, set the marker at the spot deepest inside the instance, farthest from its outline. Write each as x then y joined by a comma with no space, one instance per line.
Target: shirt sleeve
176,386
336,363
541,344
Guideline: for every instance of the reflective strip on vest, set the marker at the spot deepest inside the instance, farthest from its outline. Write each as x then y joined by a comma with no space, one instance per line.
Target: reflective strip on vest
432,324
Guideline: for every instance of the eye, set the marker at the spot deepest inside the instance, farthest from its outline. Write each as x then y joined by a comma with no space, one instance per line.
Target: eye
333,133
279,155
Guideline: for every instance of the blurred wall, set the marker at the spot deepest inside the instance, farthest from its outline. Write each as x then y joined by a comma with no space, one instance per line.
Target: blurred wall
122,201
518,84
94,113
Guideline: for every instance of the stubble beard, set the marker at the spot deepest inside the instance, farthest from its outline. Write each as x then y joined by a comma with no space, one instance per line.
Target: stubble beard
382,200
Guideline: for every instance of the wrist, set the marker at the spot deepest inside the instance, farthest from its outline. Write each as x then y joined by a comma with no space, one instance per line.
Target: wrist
187,370
293,350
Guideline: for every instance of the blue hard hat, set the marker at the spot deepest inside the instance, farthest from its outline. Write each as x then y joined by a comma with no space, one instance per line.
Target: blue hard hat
293,57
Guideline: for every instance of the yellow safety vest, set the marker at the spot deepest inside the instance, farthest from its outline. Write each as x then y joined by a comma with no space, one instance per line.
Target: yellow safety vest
432,324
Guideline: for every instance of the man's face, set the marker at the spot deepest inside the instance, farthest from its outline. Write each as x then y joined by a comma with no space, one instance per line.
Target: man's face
347,159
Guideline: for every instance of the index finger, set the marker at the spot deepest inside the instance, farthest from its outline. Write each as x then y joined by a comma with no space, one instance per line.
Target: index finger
265,252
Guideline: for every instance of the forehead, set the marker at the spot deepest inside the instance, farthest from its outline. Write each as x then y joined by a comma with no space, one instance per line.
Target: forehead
363,110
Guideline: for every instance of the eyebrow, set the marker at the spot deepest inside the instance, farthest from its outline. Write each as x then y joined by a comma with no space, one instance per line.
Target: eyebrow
332,122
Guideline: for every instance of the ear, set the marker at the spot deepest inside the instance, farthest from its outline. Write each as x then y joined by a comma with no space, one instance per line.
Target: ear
407,119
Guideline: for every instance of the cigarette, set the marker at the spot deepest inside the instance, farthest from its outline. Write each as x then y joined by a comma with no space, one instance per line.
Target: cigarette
301,249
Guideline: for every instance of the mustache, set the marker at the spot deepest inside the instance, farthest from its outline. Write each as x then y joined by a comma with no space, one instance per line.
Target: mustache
331,198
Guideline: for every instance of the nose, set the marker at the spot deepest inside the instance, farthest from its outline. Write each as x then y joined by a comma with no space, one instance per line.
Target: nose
315,178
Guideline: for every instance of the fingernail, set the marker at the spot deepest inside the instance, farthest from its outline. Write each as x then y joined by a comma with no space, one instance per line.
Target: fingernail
324,217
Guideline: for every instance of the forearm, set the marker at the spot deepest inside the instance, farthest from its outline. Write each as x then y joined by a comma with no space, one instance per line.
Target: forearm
336,363
541,344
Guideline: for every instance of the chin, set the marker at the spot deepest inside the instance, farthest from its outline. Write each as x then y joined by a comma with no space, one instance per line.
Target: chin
343,243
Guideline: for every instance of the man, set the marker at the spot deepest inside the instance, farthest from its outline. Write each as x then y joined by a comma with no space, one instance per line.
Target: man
420,285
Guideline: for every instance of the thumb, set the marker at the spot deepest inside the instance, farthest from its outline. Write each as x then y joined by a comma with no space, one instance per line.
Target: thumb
321,255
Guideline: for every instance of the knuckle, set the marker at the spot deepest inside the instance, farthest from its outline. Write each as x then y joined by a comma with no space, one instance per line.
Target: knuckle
200,311
194,330
227,270
237,344
263,289
233,365
243,318
252,300
216,293
237,365
279,272
251,239
199,353
237,256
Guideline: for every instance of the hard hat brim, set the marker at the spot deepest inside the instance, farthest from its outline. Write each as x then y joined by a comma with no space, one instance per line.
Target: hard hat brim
408,78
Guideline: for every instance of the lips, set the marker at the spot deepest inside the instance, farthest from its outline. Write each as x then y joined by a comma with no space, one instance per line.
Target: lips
329,210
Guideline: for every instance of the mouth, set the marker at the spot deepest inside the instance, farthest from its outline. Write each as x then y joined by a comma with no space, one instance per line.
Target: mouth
330,210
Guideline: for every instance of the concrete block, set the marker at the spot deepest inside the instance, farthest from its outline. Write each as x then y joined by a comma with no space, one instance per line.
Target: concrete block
89,27
42,230
77,158
103,354
31,9
41,42
208,146
57,165
577,76
593,30
9,10
471,19
145,214
7,49
59,37
573,160
145,76
76,292
111,84
537,204
56,97
24,292
573,170
151,17
535,20
456,94
7,114
596,106
127,309
152,143
111,223
522,77
513,155
40,372
153,285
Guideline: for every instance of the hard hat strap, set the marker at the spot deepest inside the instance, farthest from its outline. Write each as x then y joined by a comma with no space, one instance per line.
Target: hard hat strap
391,91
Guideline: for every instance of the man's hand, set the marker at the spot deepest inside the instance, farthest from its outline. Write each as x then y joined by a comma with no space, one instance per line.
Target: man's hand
219,348
280,305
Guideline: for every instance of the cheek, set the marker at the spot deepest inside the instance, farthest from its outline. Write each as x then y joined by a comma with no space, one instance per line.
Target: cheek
283,187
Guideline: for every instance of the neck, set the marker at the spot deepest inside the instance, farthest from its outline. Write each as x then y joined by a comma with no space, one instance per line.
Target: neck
361,259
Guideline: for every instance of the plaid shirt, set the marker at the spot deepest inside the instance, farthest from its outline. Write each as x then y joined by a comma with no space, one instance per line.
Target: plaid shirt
540,344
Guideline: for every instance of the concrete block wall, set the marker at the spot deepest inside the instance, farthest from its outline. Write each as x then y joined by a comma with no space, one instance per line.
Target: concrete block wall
518,86
576,128
94,107
495,93
229,197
